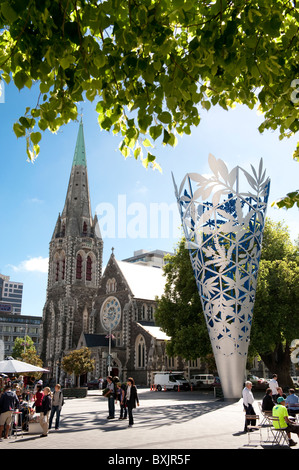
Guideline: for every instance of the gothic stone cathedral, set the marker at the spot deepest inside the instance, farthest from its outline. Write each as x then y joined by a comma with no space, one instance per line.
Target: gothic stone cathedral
83,307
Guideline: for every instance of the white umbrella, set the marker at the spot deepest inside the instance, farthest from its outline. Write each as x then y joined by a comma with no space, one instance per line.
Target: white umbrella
13,366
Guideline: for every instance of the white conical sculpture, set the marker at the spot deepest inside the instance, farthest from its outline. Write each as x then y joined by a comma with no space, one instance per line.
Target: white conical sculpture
224,238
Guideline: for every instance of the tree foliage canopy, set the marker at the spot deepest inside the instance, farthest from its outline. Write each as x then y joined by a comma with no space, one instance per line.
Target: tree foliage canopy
24,350
21,345
78,362
179,311
150,66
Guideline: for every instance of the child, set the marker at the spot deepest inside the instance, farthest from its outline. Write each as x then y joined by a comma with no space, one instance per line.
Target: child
121,395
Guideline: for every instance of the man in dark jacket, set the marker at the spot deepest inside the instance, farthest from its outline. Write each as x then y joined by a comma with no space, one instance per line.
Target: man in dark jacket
8,403
268,402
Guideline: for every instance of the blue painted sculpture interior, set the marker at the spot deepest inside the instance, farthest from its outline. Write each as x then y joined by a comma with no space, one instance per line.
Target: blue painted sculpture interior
223,226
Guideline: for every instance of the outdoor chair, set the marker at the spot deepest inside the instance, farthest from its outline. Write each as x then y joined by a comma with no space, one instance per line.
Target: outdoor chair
265,415
279,435
253,427
296,406
16,427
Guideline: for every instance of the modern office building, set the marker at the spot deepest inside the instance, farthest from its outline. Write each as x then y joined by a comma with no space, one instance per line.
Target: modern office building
17,326
11,293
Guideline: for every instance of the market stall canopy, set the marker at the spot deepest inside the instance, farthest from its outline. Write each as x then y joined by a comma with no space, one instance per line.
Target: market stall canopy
13,366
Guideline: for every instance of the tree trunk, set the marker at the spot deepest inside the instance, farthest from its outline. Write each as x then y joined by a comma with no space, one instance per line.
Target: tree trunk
279,363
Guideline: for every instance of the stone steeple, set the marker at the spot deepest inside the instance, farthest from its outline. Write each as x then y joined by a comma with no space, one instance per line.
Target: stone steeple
75,265
76,218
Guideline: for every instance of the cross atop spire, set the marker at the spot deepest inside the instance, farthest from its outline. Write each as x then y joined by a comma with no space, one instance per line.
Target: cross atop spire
80,155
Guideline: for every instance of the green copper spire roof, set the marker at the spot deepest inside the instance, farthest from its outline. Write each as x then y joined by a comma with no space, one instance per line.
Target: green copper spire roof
79,156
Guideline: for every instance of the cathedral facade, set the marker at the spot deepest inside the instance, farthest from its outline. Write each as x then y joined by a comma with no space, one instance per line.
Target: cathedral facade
110,313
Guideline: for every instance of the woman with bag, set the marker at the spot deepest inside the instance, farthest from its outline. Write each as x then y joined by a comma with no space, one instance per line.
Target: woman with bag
131,399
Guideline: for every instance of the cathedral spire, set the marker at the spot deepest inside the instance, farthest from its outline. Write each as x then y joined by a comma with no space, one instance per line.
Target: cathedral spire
80,155
76,215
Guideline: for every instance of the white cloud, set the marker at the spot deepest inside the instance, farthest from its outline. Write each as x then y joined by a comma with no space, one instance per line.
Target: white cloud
38,264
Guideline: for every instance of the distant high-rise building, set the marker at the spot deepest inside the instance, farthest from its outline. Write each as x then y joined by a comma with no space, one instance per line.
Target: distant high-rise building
11,294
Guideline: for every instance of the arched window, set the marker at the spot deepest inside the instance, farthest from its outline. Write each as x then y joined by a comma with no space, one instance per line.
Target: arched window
140,352
143,312
88,268
111,285
151,312
79,267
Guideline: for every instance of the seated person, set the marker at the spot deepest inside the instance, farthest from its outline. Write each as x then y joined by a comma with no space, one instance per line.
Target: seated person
284,422
280,393
291,401
268,402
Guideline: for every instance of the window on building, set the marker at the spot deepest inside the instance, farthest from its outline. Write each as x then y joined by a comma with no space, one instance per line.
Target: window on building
57,270
111,285
84,228
63,269
88,268
151,312
143,311
140,352
79,267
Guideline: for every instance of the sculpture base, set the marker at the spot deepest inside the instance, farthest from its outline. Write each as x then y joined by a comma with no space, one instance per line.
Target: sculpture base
231,373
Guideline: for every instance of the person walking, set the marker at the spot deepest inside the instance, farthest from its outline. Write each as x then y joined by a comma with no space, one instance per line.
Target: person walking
121,396
8,403
131,399
110,394
248,400
45,411
57,402
273,384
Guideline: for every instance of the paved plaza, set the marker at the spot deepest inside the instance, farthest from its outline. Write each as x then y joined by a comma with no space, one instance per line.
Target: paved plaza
169,421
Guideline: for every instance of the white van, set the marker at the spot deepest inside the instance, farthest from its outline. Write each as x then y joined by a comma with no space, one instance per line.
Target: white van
171,381
202,379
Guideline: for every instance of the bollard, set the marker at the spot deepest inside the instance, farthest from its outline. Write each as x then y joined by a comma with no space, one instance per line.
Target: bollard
178,388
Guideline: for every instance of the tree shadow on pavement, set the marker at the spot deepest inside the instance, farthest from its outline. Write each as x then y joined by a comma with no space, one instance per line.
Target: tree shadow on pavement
149,417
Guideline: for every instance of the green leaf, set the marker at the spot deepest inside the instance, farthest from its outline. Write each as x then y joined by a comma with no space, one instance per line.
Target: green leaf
147,143
149,159
8,12
165,117
36,137
19,130
155,131
20,79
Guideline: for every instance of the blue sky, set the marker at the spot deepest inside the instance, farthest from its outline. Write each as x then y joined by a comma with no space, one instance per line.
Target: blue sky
32,195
